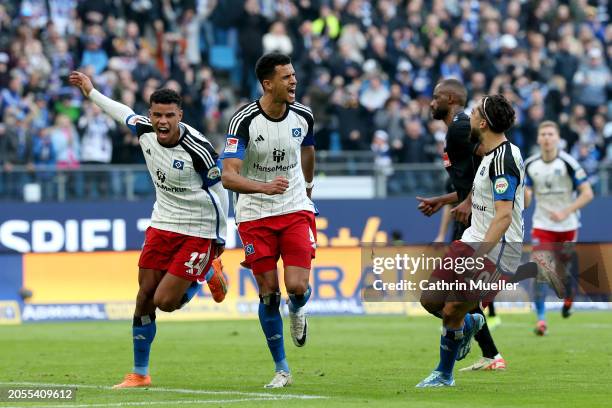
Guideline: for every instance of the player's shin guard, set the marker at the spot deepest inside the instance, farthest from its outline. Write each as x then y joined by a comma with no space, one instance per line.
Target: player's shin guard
272,326
298,301
143,333
449,347
484,339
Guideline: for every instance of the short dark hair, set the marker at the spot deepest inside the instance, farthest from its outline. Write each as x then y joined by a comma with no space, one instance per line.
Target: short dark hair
265,66
455,87
498,112
166,96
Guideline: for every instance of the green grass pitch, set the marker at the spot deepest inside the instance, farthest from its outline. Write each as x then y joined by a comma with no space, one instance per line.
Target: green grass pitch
351,361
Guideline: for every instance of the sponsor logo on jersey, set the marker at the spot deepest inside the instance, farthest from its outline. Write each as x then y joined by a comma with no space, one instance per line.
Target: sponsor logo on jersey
278,155
214,173
148,151
482,170
479,207
161,176
548,182
296,132
231,145
270,169
259,138
501,185
178,164
170,189
249,249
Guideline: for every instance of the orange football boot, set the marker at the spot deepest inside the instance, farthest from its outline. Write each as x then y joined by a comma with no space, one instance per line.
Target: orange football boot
217,283
134,380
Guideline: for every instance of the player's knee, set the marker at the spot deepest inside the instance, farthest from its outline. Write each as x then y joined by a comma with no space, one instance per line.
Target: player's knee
271,300
144,296
297,288
432,307
165,303
453,313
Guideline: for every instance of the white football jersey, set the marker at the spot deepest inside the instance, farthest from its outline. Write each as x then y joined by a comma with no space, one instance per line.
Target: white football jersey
554,184
269,148
190,198
500,176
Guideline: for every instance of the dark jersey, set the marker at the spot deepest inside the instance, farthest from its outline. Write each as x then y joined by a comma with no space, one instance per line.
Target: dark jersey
459,158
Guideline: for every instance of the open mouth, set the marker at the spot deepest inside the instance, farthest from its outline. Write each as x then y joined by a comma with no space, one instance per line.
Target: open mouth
163,130
291,92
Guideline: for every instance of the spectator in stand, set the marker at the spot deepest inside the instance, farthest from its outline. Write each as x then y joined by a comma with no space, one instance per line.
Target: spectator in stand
15,150
277,39
551,59
96,130
591,82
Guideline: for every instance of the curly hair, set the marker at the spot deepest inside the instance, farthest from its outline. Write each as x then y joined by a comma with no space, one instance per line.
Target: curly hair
498,113
166,96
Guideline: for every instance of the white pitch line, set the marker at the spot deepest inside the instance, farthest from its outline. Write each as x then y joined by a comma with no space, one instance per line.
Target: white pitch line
145,403
172,390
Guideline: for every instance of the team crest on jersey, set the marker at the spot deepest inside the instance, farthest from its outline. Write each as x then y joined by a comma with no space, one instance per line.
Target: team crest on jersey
214,173
296,132
501,185
178,164
482,170
249,249
231,145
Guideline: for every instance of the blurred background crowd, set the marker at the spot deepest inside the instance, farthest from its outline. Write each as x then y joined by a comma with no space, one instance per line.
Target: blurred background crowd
367,69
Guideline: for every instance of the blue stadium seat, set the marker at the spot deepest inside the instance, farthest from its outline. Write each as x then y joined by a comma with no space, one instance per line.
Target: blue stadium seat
222,57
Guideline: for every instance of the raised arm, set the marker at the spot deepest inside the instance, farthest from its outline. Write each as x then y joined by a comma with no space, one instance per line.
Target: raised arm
118,111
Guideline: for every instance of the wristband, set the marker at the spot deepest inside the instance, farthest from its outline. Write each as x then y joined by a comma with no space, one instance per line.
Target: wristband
309,184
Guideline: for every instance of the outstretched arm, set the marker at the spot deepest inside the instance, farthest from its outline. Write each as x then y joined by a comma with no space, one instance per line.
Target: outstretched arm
116,110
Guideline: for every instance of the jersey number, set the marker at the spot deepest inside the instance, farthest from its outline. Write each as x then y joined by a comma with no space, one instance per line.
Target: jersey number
196,268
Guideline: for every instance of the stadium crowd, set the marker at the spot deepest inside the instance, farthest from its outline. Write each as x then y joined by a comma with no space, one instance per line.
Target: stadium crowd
367,69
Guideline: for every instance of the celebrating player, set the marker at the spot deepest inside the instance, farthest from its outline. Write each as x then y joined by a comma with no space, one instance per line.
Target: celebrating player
554,176
269,163
496,233
461,158
188,223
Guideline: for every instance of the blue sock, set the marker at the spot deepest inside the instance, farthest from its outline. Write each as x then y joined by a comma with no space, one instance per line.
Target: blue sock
449,347
298,301
143,333
209,274
272,325
468,323
540,297
190,293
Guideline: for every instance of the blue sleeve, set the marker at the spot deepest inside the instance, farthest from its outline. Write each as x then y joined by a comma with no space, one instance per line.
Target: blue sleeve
504,187
213,175
235,147
138,124
131,123
309,139
579,177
